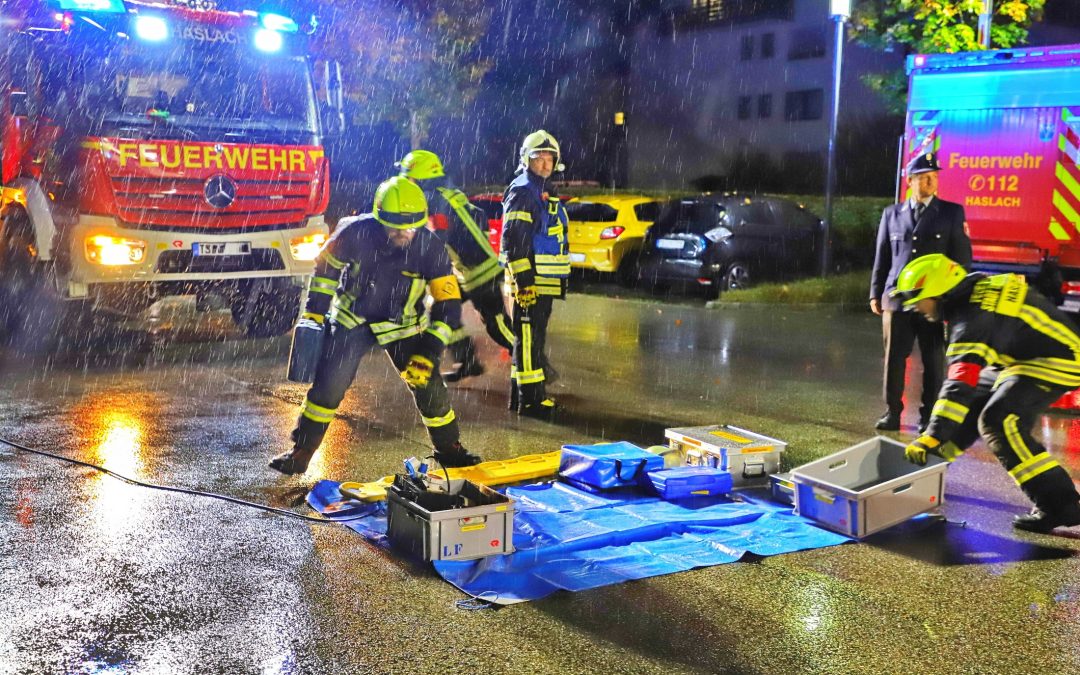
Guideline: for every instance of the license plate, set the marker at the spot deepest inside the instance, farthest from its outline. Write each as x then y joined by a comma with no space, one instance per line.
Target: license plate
669,244
221,248
577,257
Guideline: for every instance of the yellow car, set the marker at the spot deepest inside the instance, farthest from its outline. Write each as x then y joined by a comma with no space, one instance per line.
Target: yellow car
607,231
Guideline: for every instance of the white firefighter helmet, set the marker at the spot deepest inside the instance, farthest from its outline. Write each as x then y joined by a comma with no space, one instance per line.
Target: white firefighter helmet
537,142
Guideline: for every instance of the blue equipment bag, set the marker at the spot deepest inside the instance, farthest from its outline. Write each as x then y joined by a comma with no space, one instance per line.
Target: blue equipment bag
686,482
607,466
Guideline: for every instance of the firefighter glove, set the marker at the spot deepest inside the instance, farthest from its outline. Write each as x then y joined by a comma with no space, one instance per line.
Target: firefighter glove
308,324
526,297
917,450
418,371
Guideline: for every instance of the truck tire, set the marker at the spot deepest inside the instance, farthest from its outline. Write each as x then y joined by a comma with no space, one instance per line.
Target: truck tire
33,315
266,307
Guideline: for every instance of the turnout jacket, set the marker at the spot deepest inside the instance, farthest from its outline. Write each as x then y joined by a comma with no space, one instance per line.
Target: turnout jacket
997,321
455,220
534,247
901,239
362,278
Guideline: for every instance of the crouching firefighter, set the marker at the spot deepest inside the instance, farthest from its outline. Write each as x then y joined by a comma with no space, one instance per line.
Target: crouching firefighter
368,291
454,219
537,260
1011,354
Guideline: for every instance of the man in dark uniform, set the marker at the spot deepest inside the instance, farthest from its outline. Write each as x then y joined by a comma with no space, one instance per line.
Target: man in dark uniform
537,259
453,218
369,286
1011,354
921,225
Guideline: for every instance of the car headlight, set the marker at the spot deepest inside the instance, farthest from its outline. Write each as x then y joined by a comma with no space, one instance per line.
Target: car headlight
718,234
106,250
308,246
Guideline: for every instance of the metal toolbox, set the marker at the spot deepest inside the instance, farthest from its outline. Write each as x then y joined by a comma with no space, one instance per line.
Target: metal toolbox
868,487
782,488
432,528
747,456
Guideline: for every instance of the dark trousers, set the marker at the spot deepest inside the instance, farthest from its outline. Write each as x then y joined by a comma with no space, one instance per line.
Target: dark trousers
488,301
900,330
1004,418
530,334
342,351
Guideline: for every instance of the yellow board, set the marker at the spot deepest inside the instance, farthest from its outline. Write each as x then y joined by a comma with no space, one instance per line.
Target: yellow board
491,473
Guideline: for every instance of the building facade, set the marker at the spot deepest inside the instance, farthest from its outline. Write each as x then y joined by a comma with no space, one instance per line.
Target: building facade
738,91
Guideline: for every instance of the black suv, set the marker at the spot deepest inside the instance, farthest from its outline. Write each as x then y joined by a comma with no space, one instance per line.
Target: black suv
722,242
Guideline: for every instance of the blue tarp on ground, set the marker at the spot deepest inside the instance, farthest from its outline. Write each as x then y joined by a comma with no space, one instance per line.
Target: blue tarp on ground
568,539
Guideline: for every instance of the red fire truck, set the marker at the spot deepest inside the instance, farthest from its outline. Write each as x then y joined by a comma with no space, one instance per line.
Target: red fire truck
160,148
1006,127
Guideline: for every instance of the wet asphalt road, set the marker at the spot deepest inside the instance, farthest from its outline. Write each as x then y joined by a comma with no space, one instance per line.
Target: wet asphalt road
97,575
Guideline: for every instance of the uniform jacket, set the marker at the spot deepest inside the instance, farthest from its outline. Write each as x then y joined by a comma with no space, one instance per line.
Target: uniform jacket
998,322
534,247
900,239
361,278
456,221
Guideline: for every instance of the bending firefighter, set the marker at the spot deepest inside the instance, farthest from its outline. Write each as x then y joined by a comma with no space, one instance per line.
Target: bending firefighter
534,251
1011,354
368,291
454,219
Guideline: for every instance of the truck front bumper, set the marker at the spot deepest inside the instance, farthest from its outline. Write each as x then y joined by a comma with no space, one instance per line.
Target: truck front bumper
175,257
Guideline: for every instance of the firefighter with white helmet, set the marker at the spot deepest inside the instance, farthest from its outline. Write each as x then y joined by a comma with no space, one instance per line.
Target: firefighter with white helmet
368,291
454,219
536,256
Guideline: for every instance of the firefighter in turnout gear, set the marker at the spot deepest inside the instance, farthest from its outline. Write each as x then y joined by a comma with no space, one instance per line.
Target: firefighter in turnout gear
1011,354
368,291
454,219
537,260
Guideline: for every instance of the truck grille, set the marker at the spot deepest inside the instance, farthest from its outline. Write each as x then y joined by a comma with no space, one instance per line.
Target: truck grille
259,260
179,204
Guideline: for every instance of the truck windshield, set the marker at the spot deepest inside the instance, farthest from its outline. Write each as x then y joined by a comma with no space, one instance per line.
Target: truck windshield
206,93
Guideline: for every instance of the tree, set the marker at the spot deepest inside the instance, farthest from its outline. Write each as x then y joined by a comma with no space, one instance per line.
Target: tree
411,61
934,26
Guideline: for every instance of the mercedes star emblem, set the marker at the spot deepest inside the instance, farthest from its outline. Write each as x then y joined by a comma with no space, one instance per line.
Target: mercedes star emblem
219,191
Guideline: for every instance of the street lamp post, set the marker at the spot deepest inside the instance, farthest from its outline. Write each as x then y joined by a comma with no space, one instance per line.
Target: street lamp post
986,18
839,11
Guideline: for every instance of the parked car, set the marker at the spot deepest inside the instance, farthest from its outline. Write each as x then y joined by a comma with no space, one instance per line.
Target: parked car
491,204
726,242
607,232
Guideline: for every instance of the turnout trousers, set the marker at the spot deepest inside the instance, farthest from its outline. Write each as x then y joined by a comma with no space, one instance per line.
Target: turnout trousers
342,351
900,330
1004,417
487,298
527,378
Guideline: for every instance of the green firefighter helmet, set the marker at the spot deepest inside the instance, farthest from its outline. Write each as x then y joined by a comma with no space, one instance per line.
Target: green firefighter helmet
421,165
929,276
400,204
537,142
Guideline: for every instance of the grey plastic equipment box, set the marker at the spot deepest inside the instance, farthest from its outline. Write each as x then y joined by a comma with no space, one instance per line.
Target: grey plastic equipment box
431,530
747,456
868,487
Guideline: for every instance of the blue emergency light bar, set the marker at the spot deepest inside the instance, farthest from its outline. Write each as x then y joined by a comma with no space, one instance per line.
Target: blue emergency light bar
278,22
104,6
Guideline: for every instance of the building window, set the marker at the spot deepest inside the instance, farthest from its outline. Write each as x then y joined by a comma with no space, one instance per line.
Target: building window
807,43
764,106
747,51
745,104
804,105
734,11
768,45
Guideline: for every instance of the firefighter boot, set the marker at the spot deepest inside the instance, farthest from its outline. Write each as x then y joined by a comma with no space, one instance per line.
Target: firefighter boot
292,462
890,421
1044,521
456,456
466,364
543,410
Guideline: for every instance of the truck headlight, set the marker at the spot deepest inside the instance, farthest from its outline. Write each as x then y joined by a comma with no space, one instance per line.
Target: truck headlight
105,250
308,246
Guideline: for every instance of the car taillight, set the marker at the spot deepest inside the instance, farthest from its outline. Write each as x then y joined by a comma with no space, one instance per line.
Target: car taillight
612,232
1070,288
